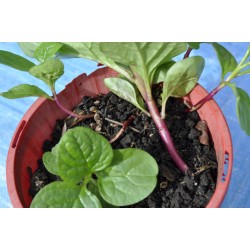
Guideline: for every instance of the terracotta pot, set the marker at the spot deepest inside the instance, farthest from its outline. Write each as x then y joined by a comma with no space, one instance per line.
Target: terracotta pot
38,122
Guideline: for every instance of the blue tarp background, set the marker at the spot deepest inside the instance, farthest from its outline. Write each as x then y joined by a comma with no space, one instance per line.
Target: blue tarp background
11,112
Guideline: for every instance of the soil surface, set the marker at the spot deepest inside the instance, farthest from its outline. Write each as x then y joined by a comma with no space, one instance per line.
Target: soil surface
173,188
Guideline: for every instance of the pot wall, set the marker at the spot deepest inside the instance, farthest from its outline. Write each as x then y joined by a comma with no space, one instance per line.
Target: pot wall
38,123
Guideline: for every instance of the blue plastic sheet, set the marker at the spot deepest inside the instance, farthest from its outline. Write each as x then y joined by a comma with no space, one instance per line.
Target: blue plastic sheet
11,112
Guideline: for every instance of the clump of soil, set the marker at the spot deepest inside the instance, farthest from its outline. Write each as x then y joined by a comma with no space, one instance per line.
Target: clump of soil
173,188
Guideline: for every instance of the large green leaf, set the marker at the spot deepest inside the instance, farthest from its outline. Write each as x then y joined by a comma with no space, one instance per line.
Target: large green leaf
130,178
126,91
92,51
80,152
48,71
24,90
227,61
57,194
15,61
242,107
143,58
181,78
47,50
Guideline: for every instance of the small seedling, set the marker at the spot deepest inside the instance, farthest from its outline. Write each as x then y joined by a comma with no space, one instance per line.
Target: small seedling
229,64
140,66
94,175
49,70
143,64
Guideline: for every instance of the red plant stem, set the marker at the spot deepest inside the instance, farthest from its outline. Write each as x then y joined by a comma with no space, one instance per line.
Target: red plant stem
68,111
207,98
124,127
165,135
187,53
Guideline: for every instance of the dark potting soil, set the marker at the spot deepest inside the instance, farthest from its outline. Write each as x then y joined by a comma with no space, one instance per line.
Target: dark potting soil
173,188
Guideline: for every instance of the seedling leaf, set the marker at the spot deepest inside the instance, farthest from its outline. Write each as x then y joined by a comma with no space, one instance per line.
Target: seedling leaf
29,47
49,160
126,91
227,61
242,107
24,90
88,199
161,71
57,194
47,50
81,152
48,71
130,178
15,61
181,78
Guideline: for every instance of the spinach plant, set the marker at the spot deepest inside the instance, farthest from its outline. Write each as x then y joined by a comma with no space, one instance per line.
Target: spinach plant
49,70
93,174
140,66
230,69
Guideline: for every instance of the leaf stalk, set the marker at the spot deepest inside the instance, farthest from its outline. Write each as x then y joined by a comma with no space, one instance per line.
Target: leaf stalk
165,135
68,111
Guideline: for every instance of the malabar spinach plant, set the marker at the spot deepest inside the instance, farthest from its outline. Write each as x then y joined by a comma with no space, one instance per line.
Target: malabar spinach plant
49,70
140,64
94,175
230,69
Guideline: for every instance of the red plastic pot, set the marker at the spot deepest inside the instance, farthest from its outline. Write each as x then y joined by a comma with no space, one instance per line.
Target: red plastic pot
38,122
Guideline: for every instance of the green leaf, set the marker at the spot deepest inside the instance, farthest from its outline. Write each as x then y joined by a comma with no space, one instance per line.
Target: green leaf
61,194
88,199
64,52
92,51
92,186
15,61
161,71
143,58
47,50
57,194
80,152
181,78
242,107
130,178
24,90
194,45
49,161
227,61
29,48
126,91
67,51
48,71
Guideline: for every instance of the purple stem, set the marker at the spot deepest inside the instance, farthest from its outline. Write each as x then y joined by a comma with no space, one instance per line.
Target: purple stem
207,98
165,135
187,53
68,111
